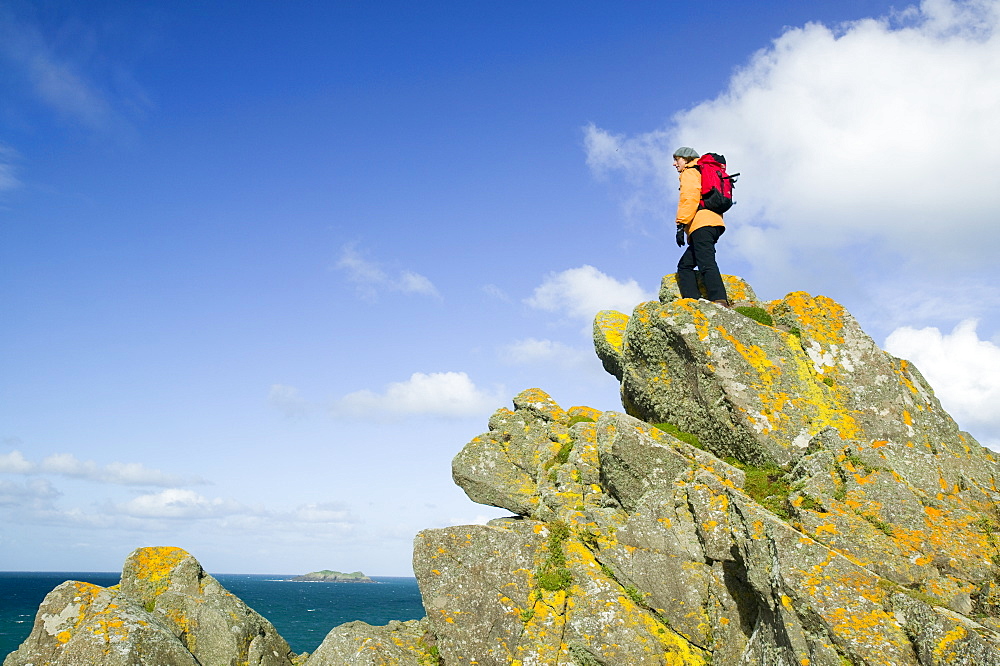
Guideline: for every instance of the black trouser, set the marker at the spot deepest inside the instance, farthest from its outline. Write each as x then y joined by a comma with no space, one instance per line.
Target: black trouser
700,252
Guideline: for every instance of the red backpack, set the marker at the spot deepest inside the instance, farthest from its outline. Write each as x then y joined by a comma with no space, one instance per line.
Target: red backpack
716,184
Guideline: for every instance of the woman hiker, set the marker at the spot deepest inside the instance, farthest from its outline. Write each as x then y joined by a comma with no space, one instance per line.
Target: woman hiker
702,228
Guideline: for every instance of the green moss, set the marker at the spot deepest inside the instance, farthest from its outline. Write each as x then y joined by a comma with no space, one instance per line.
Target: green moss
435,656
987,526
558,532
854,459
555,579
553,575
432,656
561,456
635,595
587,537
768,487
878,524
796,332
860,464
573,420
810,503
686,437
527,614
928,599
828,381
581,656
919,595
759,315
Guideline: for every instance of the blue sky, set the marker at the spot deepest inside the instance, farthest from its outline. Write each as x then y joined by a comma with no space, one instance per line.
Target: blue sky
266,267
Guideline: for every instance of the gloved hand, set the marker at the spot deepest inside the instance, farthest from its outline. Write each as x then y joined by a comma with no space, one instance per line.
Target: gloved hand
680,235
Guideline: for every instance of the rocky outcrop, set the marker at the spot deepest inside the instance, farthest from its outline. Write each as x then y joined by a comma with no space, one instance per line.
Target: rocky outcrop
80,623
778,491
165,611
761,392
328,576
361,644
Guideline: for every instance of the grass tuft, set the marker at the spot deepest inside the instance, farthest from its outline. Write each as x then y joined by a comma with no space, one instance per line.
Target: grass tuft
553,575
635,595
878,524
686,437
809,502
561,456
767,485
759,315
556,579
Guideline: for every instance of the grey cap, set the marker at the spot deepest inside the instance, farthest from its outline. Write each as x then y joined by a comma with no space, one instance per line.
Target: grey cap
686,152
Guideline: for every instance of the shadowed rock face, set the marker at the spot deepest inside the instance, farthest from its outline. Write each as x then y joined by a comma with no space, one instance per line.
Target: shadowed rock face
165,611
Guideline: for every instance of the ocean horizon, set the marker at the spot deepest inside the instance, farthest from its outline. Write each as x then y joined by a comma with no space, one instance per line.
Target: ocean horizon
303,612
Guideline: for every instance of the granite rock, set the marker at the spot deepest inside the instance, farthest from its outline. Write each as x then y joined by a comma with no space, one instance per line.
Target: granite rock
166,610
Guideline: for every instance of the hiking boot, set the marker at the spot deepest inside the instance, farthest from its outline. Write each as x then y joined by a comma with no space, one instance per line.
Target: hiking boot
724,303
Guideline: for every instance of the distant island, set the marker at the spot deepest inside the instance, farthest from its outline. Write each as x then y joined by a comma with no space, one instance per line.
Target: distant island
327,576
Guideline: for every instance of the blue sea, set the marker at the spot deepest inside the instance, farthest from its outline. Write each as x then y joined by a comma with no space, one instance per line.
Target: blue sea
303,613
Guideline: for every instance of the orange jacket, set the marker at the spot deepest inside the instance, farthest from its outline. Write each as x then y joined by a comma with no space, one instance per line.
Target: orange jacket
687,206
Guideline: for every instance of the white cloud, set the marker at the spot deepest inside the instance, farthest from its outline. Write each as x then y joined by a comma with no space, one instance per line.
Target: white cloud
171,508
37,493
68,465
582,292
414,283
963,370
175,503
33,503
369,278
326,512
447,394
881,131
15,463
532,351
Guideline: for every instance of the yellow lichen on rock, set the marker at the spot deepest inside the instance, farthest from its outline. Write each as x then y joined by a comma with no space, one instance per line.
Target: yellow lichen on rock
542,403
155,564
737,289
583,412
609,339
